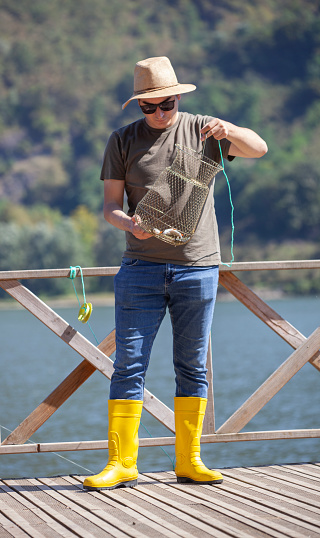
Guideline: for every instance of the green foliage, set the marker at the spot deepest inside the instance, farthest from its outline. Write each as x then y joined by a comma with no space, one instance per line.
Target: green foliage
88,189
65,70
109,248
86,224
110,245
42,246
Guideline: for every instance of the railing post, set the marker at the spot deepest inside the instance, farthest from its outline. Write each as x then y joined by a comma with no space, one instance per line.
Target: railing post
97,357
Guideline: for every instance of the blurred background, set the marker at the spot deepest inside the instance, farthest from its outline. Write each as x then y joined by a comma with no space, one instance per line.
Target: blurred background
67,66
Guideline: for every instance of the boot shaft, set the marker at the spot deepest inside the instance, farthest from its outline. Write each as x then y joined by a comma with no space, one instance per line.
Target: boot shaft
189,413
124,421
121,469
124,409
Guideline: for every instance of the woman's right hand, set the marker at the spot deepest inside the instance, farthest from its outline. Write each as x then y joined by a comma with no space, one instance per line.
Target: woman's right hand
138,232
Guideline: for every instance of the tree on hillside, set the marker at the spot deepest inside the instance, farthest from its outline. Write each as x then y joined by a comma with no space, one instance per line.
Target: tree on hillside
66,68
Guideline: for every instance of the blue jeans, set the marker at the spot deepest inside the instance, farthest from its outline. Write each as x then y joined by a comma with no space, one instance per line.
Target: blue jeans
143,291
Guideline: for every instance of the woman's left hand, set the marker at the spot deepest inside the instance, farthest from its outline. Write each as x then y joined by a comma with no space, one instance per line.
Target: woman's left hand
217,128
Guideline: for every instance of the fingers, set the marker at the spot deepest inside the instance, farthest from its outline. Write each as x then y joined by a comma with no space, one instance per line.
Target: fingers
138,232
216,128
136,219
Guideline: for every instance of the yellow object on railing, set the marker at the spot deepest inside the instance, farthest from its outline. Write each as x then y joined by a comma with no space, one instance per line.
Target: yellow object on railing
85,312
86,308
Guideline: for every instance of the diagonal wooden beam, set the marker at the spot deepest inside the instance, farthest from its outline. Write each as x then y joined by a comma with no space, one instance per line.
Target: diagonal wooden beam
69,385
272,385
79,343
271,318
45,410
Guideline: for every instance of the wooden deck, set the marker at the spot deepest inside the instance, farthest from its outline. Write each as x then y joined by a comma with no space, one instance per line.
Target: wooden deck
278,501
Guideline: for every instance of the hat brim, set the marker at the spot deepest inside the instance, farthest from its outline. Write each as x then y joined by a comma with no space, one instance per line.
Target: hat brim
161,92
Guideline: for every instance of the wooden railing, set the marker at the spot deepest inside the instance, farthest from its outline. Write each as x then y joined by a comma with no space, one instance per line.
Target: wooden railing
97,358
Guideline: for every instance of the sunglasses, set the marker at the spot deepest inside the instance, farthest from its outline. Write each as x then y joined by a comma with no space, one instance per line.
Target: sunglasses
164,106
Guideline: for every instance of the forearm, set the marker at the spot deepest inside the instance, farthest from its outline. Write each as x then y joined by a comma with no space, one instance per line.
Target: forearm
244,142
114,214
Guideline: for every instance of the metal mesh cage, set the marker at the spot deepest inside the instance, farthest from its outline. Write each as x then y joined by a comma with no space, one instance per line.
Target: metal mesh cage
171,208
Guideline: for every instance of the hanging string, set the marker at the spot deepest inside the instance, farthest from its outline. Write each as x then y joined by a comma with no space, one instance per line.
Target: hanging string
232,209
230,198
86,308
72,276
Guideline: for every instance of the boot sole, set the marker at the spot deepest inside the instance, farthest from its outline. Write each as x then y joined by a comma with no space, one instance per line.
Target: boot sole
187,480
128,484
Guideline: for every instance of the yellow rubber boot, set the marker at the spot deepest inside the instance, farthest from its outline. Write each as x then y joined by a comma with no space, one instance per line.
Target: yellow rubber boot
189,415
121,469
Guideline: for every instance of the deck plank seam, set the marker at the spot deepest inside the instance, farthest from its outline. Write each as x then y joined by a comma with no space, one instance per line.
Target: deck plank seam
234,511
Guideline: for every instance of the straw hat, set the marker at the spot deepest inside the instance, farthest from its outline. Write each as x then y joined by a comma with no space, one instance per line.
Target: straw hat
155,77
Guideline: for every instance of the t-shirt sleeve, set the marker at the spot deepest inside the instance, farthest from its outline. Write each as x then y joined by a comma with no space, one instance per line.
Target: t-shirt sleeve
113,166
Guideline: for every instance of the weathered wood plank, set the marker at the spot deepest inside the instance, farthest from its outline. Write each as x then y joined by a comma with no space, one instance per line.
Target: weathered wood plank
99,517
80,344
271,265
72,506
253,487
307,469
59,326
19,520
109,271
261,477
187,514
230,505
261,436
11,528
163,526
57,273
250,502
260,309
46,409
39,510
272,385
146,516
19,449
268,502
67,446
292,476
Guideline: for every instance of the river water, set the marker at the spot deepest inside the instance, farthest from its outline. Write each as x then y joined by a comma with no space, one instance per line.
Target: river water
245,352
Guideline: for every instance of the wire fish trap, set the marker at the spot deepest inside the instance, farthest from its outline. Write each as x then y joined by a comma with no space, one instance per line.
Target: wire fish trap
171,209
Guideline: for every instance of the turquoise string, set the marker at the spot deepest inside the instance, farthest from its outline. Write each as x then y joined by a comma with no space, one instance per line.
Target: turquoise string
232,209
230,198
72,276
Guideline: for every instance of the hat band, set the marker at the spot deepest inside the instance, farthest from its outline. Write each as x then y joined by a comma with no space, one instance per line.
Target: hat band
149,90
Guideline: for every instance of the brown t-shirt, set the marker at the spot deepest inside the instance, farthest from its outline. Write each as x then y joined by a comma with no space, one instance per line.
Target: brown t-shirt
138,154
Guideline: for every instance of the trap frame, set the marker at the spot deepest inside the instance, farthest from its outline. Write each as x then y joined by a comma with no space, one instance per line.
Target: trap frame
171,209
